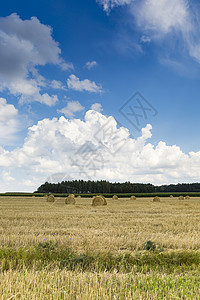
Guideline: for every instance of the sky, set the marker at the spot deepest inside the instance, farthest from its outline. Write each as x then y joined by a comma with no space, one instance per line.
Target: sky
99,90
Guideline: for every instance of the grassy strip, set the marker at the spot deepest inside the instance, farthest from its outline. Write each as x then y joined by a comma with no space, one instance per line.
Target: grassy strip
48,254
120,195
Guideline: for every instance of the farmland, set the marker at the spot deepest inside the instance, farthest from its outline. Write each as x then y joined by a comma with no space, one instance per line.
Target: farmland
58,251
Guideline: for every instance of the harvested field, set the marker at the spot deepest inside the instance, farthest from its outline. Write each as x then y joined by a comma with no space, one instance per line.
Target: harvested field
31,228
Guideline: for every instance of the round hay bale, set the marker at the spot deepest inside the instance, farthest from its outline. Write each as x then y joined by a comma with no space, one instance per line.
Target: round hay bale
71,195
99,201
104,200
79,197
187,197
156,199
115,197
70,200
180,198
132,198
171,196
51,198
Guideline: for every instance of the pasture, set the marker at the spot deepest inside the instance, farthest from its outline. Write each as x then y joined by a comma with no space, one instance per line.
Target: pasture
58,251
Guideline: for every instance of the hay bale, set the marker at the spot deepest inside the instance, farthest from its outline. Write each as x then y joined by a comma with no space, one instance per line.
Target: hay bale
51,198
171,196
156,199
99,201
115,197
180,198
79,197
70,200
104,200
71,195
133,198
187,197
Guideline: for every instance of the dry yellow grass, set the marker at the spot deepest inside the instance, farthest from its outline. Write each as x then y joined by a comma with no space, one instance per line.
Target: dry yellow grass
25,222
171,224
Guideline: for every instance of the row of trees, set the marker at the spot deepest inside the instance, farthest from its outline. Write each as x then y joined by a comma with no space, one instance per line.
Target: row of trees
183,187
103,186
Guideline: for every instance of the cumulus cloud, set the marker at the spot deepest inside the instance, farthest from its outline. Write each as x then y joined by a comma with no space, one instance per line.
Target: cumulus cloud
91,64
71,108
9,123
97,107
76,84
24,45
94,148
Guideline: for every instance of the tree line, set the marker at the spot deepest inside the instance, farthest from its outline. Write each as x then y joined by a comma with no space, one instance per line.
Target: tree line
103,186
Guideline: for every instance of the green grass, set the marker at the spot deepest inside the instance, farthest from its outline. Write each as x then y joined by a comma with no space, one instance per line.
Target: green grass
49,254
120,195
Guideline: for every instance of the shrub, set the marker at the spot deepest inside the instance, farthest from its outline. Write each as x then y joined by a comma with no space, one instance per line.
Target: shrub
150,246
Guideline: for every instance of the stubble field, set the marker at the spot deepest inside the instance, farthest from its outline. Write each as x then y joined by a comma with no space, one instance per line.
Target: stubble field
58,251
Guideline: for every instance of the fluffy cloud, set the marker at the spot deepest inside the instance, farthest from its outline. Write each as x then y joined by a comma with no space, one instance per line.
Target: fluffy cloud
91,64
76,84
57,85
24,45
97,107
162,16
9,123
71,108
94,148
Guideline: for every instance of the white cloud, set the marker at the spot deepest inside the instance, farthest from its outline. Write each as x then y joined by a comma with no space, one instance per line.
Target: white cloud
71,108
57,85
159,18
97,107
109,4
91,64
162,16
76,84
9,123
59,145
165,19
24,45
145,39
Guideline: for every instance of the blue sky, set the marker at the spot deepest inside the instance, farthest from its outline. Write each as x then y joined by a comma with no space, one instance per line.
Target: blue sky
66,70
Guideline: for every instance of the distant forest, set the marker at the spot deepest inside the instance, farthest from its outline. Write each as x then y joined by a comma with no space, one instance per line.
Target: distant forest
87,187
